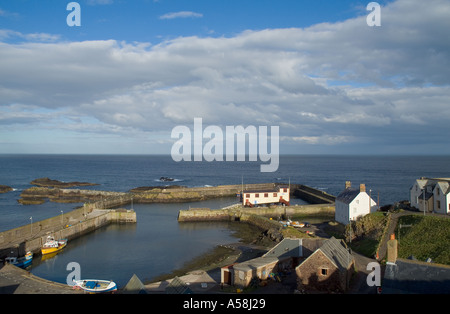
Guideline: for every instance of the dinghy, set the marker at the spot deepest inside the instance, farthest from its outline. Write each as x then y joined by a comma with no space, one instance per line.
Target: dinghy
96,286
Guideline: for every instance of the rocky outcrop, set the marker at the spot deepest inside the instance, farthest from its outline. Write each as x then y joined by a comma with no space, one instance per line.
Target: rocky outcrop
5,189
38,195
46,182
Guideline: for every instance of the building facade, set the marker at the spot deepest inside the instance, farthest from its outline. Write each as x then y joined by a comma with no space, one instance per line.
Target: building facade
431,195
328,269
259,197
353,203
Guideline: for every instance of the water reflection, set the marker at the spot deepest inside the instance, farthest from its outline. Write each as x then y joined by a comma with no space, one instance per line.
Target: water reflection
156,245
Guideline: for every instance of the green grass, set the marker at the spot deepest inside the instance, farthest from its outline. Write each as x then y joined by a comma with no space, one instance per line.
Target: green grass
428,237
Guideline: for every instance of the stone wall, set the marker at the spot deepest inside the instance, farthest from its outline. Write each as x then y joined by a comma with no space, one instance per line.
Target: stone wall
236,213
21,240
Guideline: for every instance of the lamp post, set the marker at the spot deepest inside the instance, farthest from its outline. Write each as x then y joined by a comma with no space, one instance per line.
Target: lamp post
31,225
62,217
424,190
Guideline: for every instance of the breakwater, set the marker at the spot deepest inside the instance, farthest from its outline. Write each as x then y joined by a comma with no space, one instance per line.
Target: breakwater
169,194
311,195
243,214
18,241
143,195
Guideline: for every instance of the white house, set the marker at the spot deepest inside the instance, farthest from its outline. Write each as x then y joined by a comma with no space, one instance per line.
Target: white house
353,203
259,197
416,191
431,195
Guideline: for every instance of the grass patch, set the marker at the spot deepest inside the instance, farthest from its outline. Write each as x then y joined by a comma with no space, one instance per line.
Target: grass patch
428,237
366,247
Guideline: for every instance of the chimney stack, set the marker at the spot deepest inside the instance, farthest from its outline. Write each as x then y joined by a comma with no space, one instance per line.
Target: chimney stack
348,184
362,187
392,249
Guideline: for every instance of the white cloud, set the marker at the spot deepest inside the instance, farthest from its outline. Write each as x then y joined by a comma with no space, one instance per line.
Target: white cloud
343,83
181,14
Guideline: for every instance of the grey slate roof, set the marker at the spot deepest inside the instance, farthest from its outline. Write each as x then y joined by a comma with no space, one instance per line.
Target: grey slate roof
415,277
428,195
255,263
286,248
336,252
347,196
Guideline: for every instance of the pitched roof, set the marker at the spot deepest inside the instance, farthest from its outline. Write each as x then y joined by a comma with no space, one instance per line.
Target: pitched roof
337,253
255,263
286,248
347,196
444,186
428,195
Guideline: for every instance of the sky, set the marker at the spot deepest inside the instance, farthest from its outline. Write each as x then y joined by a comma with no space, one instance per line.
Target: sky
134,70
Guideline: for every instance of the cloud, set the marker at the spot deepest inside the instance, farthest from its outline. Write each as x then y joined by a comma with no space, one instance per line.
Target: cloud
6,34
181,14
328,85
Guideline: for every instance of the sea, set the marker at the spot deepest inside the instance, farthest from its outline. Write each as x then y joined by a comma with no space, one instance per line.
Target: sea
157,244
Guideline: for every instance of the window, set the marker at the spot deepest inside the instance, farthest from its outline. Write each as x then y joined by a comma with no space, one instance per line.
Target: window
266,194
284,190
437,191
324,271
257,195
439,204
274,194
247,195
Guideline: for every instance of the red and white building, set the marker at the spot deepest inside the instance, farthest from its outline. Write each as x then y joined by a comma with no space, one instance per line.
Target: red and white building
279,195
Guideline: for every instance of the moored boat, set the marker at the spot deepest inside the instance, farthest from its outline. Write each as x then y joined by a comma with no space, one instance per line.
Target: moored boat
52,245
96,286
22,262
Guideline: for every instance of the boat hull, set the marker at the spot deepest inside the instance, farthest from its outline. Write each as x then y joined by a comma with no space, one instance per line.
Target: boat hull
50,250
96,286
22,262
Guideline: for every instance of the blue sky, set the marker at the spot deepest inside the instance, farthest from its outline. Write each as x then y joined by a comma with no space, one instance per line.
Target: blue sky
134,70
143,20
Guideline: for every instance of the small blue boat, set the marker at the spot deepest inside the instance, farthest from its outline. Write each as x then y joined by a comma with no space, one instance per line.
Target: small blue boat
22,262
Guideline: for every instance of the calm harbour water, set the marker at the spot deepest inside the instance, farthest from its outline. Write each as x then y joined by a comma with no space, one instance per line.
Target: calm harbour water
158,244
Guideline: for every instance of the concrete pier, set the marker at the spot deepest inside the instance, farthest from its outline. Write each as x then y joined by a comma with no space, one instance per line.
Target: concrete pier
240,213
67,225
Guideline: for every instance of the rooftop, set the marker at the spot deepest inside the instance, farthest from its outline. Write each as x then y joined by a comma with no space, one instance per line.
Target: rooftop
416,277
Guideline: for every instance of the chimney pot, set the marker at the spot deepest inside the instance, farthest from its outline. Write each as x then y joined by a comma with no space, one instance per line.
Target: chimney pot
348,184
362,187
